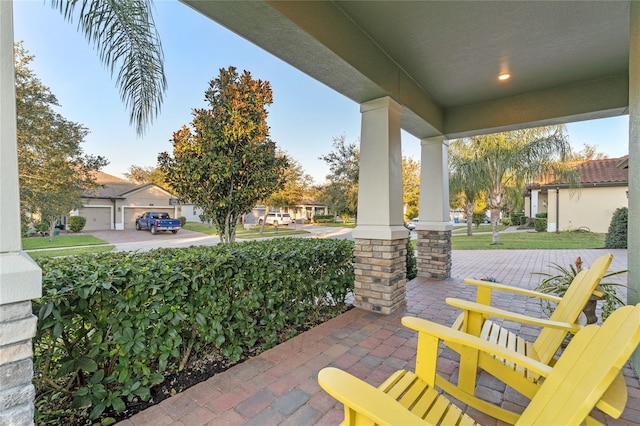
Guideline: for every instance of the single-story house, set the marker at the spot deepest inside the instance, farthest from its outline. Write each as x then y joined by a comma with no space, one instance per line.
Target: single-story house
116,203
307,210
604,188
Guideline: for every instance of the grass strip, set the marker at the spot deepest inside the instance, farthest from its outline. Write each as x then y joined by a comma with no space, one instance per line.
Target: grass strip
68,252
32,243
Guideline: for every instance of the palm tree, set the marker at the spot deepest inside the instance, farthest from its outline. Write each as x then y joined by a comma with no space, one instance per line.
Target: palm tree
462,179
501,162
124,35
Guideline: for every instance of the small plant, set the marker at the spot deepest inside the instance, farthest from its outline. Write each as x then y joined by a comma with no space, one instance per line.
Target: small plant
559,282
617,233
411,265
77,223
183,220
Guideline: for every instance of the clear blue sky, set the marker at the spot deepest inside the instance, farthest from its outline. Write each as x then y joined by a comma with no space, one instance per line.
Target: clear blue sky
304,117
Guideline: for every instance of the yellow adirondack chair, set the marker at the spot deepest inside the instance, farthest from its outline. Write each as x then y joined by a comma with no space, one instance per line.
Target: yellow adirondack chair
475,321
584,372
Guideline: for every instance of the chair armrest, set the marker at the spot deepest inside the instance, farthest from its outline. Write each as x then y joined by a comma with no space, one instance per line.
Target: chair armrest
512,316
427,328
365,399
502,287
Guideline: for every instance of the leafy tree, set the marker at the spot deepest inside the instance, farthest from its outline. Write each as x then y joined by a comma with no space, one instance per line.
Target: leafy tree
125,38
297,186
410,187
142,175
340,192
588,152
53,169
226,162
502,161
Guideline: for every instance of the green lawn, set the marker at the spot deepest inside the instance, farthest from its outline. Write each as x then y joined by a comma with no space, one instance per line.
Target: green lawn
530,240
337,224
68,252
269,231
32,243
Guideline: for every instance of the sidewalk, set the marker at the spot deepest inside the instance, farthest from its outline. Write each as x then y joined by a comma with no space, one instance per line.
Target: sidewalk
279,387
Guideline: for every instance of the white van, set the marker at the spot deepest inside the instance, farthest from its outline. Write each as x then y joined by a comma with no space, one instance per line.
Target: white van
277,219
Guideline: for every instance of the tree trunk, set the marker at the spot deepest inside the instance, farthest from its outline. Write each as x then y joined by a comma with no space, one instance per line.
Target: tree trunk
264,218
495,222
52,228
470,218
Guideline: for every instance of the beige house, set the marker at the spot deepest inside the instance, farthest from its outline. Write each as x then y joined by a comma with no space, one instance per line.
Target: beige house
604,188
116,203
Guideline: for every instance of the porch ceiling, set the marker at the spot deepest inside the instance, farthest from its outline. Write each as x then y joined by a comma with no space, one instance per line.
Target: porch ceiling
441,59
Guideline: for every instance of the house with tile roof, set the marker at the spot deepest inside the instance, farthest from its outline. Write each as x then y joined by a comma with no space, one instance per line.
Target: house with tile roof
604,186
116,203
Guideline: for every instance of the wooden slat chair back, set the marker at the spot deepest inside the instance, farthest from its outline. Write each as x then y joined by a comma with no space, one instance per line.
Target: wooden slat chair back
584,372
569,308
475,320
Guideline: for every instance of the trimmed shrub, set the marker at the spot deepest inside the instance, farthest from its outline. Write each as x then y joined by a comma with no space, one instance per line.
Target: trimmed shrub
506,221
323,218
477,218
518,219
540,222
42,226
183,220
77,223
617,233
112,325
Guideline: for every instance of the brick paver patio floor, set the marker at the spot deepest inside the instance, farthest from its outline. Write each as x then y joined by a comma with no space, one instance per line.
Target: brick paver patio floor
279,387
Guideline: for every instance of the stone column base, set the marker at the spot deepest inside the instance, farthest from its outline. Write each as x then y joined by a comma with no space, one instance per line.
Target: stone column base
380,269
433,258
17,328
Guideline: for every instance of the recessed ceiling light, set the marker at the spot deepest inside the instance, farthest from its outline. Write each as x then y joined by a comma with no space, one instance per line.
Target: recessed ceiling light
504,76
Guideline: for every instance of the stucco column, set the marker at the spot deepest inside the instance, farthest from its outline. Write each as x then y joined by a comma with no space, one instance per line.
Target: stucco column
434,227
633,230
380,235
20,277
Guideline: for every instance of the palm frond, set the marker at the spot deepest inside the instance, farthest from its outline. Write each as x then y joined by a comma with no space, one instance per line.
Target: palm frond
124,35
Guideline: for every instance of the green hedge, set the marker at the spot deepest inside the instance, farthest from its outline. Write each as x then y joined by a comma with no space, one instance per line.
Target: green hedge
323,218
111,325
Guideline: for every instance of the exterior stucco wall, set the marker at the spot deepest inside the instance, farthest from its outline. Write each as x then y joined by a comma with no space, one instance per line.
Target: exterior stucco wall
124,208
592,207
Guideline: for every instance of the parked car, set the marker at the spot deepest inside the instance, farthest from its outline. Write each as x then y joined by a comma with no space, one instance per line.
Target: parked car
157,221
277,219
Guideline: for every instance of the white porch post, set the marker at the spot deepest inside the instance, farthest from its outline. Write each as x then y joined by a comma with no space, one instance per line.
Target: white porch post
434,227
20,277
633,231
380,235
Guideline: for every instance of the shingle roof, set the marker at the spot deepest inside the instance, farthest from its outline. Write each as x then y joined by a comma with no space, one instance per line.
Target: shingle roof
109,186
604,171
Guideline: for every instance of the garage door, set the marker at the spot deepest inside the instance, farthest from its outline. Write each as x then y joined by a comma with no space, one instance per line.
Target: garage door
98,218
132,213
